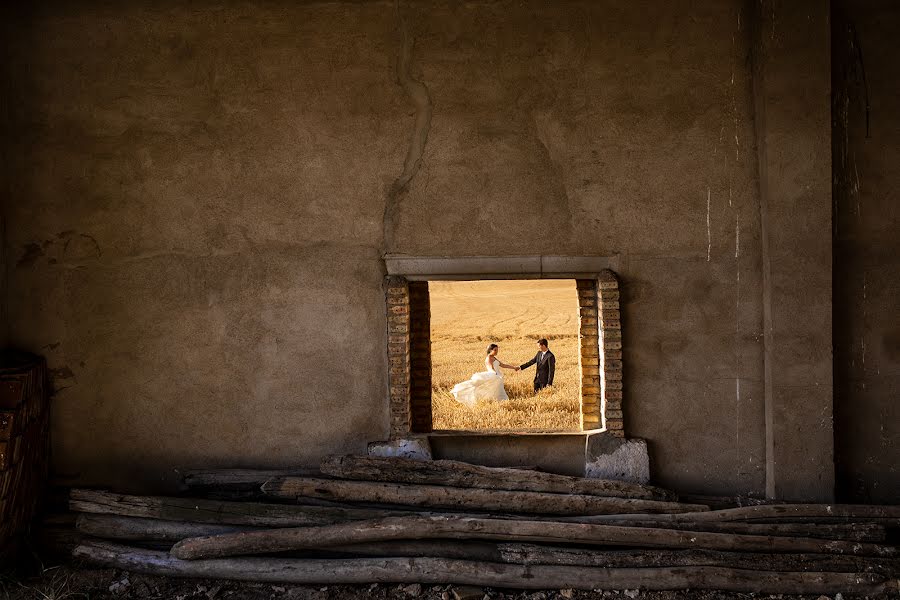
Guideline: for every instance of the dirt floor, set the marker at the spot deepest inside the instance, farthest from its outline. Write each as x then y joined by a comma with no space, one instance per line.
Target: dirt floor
65,582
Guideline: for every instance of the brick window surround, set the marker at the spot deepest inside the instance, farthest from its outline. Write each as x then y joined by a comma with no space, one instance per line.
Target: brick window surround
409,351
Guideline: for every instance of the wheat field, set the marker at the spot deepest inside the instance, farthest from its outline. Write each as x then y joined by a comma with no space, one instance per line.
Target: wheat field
466,316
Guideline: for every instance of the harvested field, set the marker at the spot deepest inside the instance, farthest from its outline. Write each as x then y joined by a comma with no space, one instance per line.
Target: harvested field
466,316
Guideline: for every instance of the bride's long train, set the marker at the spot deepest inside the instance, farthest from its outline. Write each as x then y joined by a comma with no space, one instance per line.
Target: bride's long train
486,385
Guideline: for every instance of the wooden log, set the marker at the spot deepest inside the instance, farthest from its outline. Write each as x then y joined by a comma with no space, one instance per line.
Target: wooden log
312,511
461,474
857,512
235,484
459,549
58,542
757,561
115,527
654,520
217,511
138,529
721,502
452,527
455,498
205,481
335,504
883,521
885,514
201,479
320,512
860,532
448,571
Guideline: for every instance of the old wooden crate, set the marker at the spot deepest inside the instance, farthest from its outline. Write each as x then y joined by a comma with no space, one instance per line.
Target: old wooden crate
24,443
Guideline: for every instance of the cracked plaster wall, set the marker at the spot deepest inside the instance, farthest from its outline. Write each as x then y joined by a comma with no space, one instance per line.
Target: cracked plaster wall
201,195
585,128
196,234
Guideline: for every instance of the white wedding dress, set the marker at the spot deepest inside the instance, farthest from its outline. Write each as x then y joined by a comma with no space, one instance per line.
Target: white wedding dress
487,385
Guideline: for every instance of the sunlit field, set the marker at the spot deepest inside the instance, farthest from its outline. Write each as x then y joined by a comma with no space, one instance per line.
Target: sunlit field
466,316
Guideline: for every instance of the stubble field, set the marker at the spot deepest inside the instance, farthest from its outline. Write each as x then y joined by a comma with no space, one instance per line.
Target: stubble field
466,316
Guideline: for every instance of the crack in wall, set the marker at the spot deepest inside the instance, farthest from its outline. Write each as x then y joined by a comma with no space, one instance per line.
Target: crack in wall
256,248
567,209
418,93
708,227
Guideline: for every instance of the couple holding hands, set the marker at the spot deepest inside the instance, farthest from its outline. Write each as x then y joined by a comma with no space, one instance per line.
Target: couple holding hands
488,385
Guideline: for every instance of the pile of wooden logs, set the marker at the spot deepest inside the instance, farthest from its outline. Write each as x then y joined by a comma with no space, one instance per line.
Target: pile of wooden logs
392,520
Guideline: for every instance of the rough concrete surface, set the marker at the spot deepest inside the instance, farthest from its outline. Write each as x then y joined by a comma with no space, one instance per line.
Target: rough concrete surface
555,453
196,241
412,447
202,193
610,457
792,80
867,253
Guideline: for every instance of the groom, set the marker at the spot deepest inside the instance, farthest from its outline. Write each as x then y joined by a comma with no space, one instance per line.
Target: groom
546,366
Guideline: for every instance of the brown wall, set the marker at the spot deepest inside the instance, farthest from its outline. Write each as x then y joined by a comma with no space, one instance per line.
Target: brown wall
793,141
867,251
199,200
5,171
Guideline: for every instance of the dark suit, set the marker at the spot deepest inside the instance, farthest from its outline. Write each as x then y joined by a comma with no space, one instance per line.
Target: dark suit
545,369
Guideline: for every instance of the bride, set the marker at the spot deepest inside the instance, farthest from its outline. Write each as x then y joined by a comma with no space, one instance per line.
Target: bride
484,386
